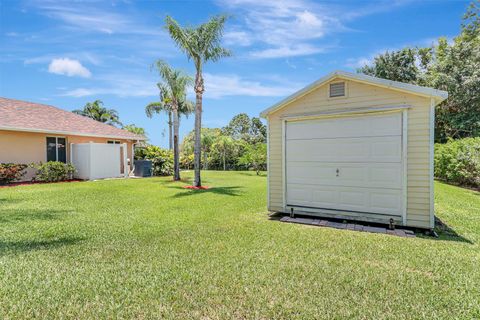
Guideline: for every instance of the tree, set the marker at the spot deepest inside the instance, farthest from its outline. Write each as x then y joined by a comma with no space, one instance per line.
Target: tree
453,67
398,65
208,138
241,127
456,69
224,145
174,89
201,44
160,106
96,111
255,156
134,129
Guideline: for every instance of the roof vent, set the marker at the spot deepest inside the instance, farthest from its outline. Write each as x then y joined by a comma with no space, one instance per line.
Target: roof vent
337,89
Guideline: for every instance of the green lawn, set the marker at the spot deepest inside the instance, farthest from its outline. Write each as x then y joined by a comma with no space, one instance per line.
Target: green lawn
146,248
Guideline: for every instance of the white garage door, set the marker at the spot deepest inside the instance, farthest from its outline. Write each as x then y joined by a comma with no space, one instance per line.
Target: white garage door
347,164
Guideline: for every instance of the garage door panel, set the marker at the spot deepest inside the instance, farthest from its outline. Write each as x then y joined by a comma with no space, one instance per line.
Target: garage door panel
364,175
371,149
380,125
383,201
351,164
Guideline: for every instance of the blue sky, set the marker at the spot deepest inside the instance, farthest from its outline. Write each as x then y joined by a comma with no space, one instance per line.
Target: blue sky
69,53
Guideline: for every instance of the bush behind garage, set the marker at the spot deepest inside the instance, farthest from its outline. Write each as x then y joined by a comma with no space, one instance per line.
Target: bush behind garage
458,162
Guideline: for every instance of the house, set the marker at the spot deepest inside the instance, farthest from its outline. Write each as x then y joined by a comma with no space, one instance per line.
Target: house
32,132
354,147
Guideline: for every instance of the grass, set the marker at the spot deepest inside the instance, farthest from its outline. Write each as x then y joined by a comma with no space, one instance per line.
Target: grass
147,248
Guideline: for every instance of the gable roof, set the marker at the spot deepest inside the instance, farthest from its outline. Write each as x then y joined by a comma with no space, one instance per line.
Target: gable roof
17,115
438,95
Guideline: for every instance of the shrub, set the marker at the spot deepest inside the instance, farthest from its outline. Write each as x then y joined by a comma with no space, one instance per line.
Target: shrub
458,162
10,172
53,171
162,159
255,157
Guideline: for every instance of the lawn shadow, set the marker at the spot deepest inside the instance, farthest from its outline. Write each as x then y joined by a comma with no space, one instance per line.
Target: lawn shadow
253,173
15,247
446,233
228,191
8,201
16,215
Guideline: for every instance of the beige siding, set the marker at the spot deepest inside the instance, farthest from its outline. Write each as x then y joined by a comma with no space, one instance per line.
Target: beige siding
364,95
29,147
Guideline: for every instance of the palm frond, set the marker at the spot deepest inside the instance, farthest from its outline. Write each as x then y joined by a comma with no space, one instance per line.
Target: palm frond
181,36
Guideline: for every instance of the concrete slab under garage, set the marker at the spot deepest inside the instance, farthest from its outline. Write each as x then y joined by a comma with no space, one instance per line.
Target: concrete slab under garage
351,226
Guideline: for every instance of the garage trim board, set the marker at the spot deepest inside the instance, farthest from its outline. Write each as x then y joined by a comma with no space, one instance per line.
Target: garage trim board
321,152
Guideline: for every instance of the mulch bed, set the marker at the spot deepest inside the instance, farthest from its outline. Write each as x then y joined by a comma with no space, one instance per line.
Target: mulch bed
196,188
28,183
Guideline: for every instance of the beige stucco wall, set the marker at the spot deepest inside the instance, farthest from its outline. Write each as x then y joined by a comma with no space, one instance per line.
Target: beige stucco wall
364,95
28,147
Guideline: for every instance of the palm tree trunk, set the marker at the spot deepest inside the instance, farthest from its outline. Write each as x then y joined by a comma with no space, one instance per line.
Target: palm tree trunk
176,151
224,160
170,135
197,152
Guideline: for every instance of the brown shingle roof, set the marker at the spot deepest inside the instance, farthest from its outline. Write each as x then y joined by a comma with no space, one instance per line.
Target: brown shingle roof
20,115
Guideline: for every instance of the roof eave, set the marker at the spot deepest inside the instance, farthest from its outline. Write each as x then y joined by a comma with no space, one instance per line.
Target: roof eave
71,133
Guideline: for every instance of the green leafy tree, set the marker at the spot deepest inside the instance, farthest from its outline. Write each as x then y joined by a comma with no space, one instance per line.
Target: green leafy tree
394,65
454,67
174,88
201,44
241,127
96,111
255,156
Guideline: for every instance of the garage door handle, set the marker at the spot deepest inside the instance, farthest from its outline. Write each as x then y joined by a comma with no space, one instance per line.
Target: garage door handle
338,173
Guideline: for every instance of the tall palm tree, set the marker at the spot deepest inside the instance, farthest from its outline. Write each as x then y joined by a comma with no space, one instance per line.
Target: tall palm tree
201,44
159,106
173,90
96,111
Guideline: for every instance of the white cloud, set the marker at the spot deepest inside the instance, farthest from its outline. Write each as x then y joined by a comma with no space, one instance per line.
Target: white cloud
93,16
218,86
239,38
292,51
285,28
295,27
120,85
355,63
68,67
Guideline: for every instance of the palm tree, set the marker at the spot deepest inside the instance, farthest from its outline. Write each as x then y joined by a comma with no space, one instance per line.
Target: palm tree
159,106
134,129
224,144
173,91
96,111
200,44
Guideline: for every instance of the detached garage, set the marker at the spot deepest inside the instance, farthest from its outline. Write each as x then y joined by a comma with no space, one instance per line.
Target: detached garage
354,147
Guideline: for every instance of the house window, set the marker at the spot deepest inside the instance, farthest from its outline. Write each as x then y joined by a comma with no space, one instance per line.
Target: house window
56,149
337,89
113,141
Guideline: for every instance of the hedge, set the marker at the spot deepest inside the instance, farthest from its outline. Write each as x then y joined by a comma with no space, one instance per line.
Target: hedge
458,162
